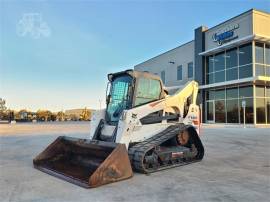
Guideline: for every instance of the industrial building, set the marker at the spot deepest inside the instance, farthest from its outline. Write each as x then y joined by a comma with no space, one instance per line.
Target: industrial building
231,63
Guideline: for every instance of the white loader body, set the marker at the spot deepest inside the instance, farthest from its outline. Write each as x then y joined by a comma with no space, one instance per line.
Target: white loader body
130,129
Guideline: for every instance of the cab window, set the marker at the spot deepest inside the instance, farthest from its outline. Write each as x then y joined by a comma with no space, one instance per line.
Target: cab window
147,90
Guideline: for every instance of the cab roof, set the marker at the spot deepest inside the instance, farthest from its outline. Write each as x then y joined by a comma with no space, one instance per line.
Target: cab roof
134,74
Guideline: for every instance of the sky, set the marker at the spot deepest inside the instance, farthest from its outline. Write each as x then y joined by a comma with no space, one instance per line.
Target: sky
56,54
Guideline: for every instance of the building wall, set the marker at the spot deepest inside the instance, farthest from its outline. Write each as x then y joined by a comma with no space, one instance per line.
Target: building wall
199,46
169,61
244,22
261,23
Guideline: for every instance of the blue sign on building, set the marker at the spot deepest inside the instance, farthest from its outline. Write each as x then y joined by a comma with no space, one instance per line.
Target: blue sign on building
225,36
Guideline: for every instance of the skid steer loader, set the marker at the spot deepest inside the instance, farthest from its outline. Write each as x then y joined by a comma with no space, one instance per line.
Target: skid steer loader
143,128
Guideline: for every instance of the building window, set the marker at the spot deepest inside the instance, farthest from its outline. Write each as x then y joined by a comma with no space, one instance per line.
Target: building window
220,111
232,105
227,104
249,110
210,111
260,91
210,95
163,77
245,54
219,76
231,93
259,70
259,55
246,91
190,70
262,59
220,94
231,58
215,105
219,61
210,78
260,110
245,71
232,74
220,116
232,64
268,109
246,94
232,111
267,54
267,71
262,104
210,64
179,72
267,91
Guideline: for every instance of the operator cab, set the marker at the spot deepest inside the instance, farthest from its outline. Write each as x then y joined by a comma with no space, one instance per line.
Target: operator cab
129,89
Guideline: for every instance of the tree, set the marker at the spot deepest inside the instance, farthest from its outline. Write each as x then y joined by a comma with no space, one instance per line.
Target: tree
85,115
60,116
44,115
3,105
3,109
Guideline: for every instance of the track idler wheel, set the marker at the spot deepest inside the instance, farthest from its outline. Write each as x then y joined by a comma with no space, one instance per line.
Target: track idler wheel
183,138
189,138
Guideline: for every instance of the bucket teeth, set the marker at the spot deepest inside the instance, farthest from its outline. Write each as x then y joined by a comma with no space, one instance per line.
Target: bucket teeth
84,162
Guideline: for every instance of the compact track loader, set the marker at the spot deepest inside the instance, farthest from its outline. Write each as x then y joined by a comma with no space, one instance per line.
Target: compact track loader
143,128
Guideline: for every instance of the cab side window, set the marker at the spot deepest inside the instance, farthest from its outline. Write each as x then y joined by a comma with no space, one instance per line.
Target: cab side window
147,90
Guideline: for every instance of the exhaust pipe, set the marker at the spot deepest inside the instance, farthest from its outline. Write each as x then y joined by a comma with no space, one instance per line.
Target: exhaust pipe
87,163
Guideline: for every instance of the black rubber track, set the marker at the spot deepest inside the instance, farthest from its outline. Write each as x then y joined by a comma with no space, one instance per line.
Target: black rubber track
138,151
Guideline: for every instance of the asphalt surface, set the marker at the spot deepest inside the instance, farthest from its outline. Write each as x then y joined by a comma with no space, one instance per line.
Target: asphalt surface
236,167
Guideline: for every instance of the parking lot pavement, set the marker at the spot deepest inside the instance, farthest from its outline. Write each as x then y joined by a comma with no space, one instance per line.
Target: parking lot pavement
235,168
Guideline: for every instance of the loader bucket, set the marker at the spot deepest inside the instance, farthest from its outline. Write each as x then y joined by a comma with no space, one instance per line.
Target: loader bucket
87,163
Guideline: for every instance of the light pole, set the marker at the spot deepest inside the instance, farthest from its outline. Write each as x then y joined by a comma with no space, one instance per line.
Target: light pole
100,104
244,112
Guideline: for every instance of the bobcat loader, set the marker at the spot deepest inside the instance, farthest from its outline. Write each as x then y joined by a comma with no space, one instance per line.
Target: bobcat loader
143,128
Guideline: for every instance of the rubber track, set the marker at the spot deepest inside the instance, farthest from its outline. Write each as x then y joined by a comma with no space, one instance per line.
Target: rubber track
138,151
